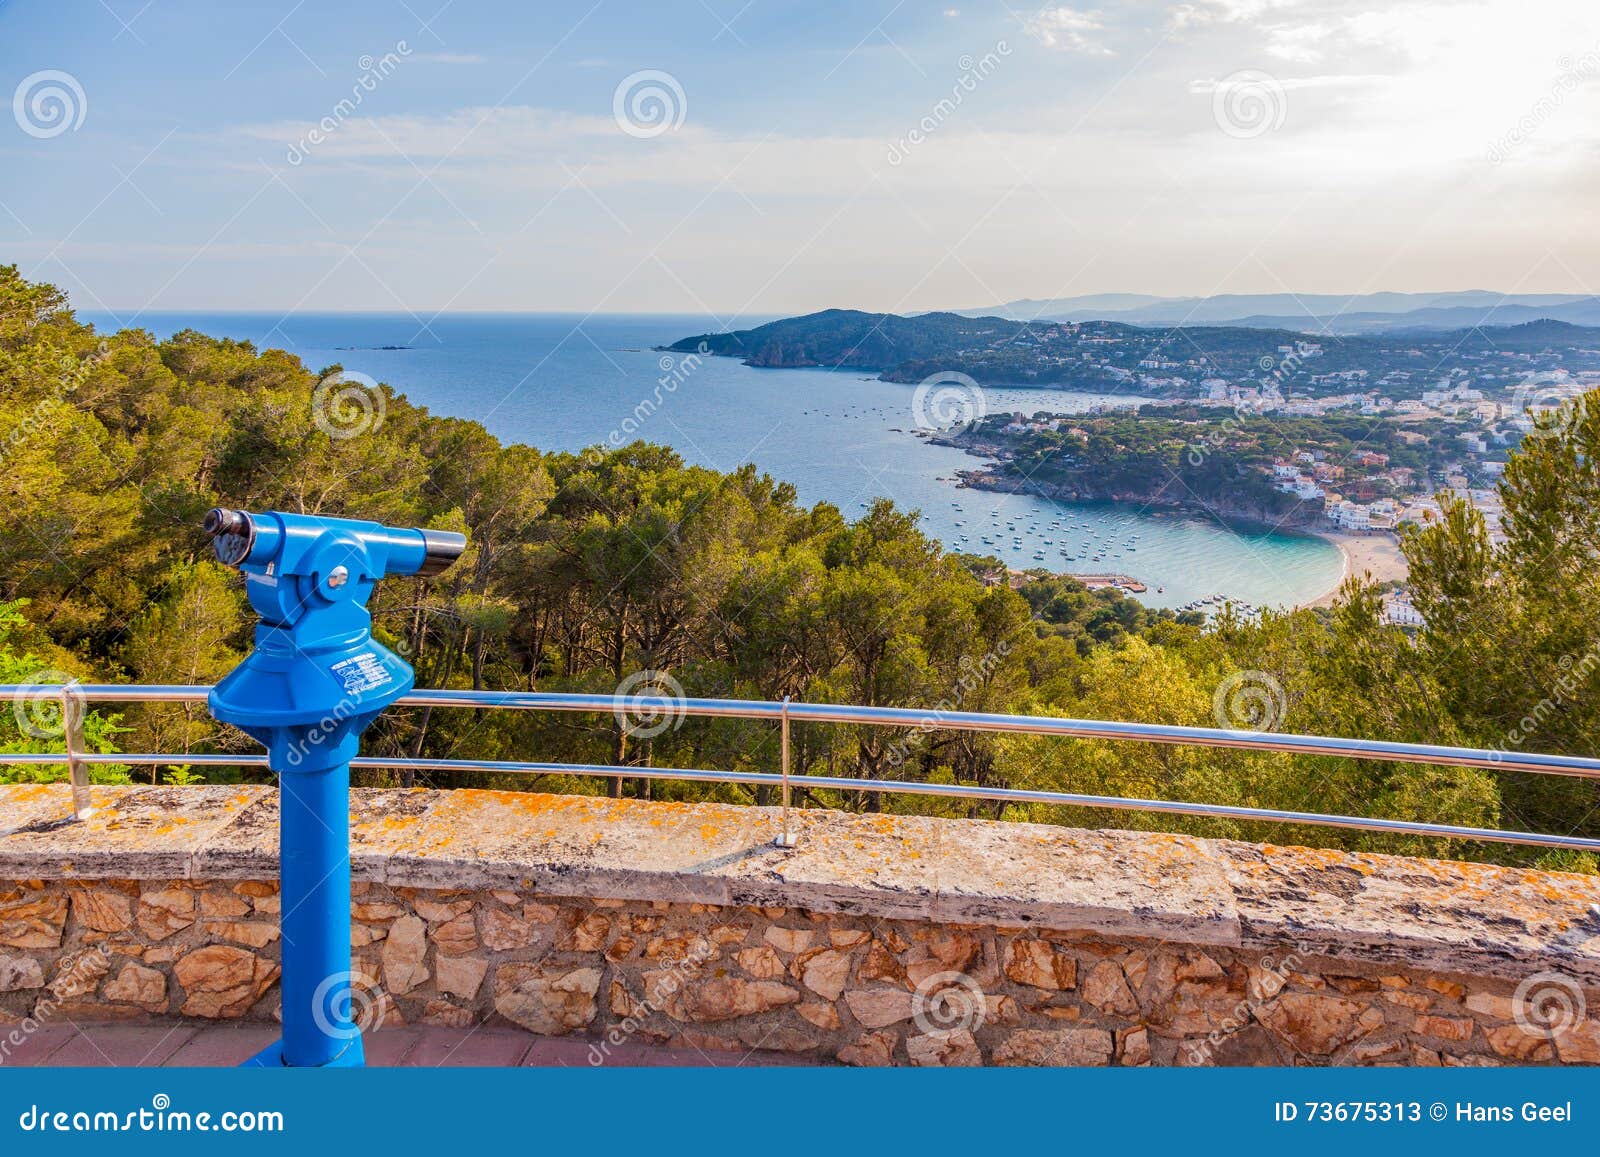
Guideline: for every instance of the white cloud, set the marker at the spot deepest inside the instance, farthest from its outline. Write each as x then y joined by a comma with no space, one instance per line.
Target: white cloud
1299,44
1210,84
1069,28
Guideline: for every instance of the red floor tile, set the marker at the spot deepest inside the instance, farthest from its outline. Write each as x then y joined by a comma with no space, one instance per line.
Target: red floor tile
387,1048
416,1046
124,1045
468,1047
223,1045
38,1046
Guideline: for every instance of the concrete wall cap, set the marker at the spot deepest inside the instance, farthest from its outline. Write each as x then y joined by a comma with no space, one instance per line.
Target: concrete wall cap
1432,914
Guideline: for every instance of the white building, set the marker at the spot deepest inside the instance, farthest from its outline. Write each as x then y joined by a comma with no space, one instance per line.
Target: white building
1351,516
1301,487
1397,609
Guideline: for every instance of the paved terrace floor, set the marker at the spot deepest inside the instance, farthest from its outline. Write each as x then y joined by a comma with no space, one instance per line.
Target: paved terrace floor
174,1045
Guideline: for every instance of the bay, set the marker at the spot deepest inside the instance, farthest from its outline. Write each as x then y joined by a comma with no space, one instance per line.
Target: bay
566,381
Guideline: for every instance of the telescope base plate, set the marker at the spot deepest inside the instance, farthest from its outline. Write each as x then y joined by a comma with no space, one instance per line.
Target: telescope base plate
271,1057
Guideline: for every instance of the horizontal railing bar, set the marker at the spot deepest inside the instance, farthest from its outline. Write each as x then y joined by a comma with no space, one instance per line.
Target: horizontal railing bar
911,717
839,783
141,758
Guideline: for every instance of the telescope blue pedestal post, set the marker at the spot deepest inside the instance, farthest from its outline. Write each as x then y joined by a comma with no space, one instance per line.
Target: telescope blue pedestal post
314,682
314,868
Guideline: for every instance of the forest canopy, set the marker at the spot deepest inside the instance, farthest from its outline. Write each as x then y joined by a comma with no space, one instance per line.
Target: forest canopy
588,571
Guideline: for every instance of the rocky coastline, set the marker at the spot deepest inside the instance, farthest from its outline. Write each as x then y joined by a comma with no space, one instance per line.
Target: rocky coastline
1232,513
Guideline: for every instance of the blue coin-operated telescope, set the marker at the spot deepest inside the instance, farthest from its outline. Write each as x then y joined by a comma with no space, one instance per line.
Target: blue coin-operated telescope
314,682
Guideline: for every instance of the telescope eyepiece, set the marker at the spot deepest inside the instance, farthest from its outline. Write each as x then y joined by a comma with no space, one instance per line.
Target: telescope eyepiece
221,520
441,548
232,533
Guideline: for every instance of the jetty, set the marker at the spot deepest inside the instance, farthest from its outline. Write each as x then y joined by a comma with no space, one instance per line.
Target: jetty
1122,582
1094,582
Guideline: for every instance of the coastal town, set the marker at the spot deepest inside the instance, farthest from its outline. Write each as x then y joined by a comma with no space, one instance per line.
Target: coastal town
1356,467
1462,433
1244,365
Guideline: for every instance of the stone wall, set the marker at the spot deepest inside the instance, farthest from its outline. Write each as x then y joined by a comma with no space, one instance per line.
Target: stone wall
878,940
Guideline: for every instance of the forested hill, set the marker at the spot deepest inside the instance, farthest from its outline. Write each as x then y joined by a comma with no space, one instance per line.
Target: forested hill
852,339
1114,355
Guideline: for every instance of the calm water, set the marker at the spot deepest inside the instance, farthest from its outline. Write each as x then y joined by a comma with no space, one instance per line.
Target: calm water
561,382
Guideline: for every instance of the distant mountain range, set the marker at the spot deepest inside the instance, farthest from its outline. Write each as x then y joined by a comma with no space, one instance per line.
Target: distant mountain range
1324,313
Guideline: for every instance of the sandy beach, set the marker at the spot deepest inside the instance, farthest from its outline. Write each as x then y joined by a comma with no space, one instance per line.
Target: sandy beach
1376,554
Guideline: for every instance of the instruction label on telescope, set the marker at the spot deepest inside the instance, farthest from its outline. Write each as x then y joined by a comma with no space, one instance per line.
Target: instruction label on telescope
361,673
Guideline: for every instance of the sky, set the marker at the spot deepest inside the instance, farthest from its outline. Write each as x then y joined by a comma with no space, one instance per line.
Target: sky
739,158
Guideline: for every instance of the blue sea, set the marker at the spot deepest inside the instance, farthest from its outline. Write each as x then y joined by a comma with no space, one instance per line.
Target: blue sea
565,381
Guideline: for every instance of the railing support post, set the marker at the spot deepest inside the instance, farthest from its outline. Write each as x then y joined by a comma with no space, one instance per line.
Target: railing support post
72,731
785,838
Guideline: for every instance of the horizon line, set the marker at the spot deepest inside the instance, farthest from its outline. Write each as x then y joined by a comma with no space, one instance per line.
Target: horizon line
430,314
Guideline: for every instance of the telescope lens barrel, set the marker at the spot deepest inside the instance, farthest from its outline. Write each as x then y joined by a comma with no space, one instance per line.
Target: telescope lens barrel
441,548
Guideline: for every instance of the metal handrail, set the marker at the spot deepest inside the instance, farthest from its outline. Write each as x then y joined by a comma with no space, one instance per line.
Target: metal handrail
74,695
